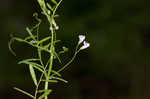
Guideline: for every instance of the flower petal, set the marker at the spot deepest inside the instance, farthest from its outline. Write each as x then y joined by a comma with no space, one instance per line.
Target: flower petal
81,38
86,45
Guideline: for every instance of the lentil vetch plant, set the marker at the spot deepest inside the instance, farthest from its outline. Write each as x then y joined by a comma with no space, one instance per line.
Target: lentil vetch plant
47,73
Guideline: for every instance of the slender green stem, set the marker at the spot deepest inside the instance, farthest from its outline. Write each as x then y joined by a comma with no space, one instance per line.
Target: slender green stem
76,52
51,58
52,48
67,63
36,91
37,87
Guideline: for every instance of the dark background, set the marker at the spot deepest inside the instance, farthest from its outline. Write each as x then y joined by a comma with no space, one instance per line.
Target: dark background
117,64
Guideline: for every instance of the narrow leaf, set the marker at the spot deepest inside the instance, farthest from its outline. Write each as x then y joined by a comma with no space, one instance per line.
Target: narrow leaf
35,65
54,1
46,93
29,37
10,48
19,39
61,79
33,75
41,2
49,6
57,41
30,33
45,39
24,92
27,61
55,72
51,81
40,91
32,59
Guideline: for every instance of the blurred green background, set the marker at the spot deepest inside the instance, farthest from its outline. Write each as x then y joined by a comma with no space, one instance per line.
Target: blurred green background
117,64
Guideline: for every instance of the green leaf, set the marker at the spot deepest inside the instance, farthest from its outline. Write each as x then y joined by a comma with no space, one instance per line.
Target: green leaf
54,1
25,41
19,39
29,37
24,92
34,45
61,79
33,75
55,72
32,59
35,65
49,6
40,91
51,81
9,46
41,3
46,93
29,61
30,33
45,39
57,41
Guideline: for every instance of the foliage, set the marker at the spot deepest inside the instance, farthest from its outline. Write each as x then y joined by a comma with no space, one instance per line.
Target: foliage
47,44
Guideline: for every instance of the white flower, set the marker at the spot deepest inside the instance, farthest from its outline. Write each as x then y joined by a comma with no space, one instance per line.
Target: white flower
86,45
81,38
